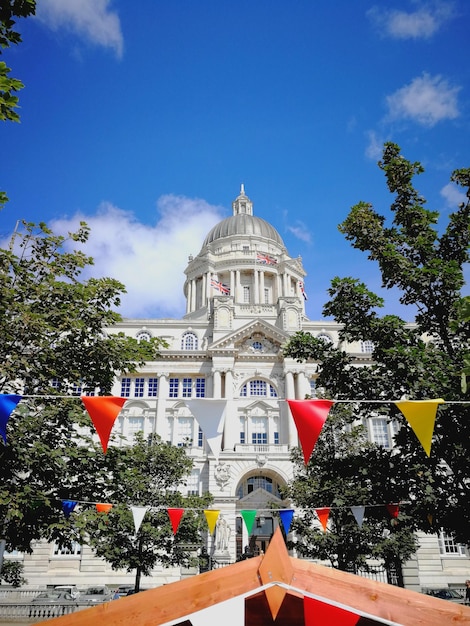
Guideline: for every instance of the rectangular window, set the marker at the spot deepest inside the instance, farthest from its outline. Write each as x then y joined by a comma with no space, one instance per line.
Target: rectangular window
276,438
200,437
174,387
139,388
76,390
193,483
125,387
246,294
266,295
242,430
184,435
379,431
187,387
448,547
259,438
313,387
153,387
134,425
200,387
74,550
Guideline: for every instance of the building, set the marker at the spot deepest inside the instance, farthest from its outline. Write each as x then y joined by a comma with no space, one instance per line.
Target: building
245,297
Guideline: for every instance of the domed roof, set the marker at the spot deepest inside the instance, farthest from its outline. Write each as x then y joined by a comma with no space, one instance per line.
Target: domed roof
243,222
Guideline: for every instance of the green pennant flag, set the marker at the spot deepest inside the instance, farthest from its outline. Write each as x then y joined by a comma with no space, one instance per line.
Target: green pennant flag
249,519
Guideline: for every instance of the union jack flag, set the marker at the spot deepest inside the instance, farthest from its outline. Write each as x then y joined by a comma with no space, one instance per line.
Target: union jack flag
302,289
222,287
265,259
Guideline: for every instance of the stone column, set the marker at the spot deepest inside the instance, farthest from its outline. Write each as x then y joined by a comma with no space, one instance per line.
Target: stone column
261,287
256,287
163,389
290,393
217,386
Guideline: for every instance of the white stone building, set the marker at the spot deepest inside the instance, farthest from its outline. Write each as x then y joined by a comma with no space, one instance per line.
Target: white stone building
244,298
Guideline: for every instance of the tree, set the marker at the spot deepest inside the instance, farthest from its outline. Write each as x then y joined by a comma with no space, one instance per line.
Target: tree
422,361
53,349
9,86
145,474
346,470
12,573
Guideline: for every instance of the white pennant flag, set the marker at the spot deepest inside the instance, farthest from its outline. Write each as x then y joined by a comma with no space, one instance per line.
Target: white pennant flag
358,512
210,414
138,513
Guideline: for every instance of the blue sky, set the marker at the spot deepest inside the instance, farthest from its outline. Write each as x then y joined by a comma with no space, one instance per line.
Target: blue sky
144,117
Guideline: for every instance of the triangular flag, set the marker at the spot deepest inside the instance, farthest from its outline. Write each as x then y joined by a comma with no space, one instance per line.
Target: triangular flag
318,613
286,516
8,404
309,417
211,517
103,411
138,513
102,507
323,515
393,509
358,512
421,416
249,519
68,506
210,415
175,516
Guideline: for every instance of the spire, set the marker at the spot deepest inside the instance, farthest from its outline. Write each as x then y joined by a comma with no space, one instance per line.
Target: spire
242,204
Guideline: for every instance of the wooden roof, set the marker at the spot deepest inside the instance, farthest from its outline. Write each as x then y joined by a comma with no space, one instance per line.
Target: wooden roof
273,589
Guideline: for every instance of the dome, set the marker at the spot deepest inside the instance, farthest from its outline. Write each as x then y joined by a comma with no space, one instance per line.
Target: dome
243,224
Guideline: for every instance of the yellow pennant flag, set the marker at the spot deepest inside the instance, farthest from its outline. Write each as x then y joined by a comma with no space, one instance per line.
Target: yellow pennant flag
211,517
421,416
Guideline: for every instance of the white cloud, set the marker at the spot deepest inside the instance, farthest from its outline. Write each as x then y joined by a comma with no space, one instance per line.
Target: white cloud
453,195
300,231
149,260
420,24
426,100
92,19
374,148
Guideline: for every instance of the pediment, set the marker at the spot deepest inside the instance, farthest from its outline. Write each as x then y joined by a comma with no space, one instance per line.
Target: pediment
257,338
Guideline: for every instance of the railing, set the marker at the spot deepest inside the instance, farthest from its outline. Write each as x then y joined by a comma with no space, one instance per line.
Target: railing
262,448
28,611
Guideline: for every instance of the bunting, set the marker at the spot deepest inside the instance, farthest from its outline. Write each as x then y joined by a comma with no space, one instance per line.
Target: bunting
286,516
211,518
323,515
210,415
358,512
103,507
249,519
421,416
103,411
68,506
8,403
309,417
175,516
138,513
393,510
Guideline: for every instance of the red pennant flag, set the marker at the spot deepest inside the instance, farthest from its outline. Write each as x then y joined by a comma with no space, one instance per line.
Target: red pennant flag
309,417
318,613
103,411
323,515
393,509
101,507
175,516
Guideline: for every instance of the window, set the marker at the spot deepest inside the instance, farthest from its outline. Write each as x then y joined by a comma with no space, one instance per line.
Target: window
448,547
257,345
189,341
75,549
193,483
246,294
174,382
143,336
367,346
266,296
125,387
259,430
200,437
313,387
258,482
135,425
242,430
184,431
324,337
379,431
139,387
187,387
258,388
153,387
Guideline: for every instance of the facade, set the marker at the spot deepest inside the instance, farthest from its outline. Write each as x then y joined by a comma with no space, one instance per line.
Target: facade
245,297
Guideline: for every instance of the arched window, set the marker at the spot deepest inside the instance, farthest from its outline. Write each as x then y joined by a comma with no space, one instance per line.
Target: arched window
189,341
258,388
258,482
324,337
